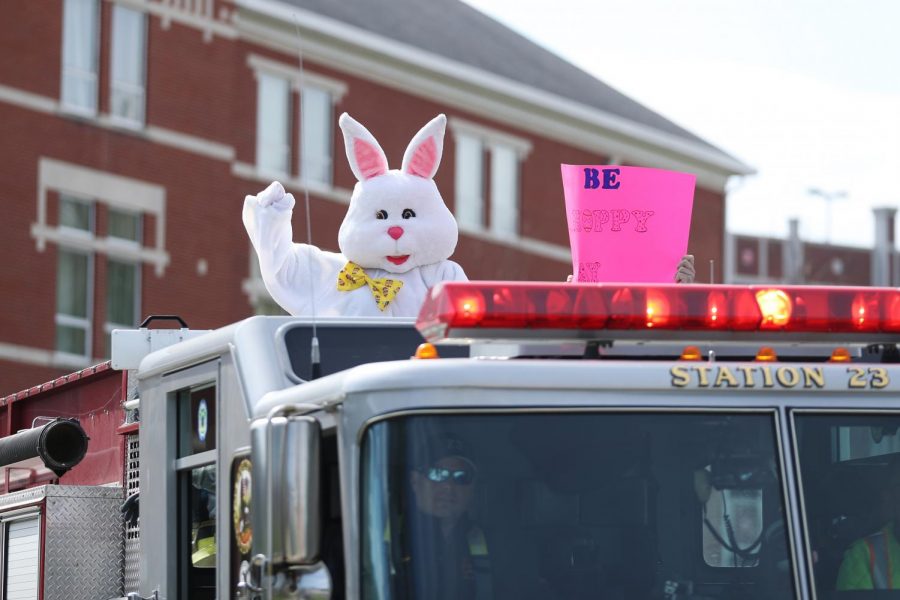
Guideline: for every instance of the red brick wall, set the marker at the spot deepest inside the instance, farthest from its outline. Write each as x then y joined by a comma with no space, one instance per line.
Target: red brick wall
31,33
707,238
191,83
206,89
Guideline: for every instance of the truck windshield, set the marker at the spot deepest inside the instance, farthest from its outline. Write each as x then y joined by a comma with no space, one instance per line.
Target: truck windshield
850,473
575,505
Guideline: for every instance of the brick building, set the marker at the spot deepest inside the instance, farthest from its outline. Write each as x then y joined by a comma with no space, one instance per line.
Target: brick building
132,129
792,260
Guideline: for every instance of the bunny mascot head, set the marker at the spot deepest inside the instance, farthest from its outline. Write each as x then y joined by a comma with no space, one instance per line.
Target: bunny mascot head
397,220
395,239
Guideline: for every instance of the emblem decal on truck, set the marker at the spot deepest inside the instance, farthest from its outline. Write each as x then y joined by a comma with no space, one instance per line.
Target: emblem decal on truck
243,533
202,420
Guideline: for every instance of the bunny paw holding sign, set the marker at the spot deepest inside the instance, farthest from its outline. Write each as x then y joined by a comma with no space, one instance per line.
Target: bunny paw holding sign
395,240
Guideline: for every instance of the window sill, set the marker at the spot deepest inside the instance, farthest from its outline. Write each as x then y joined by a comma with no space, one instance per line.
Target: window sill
253,173
119,249
122,124
77,113
105,120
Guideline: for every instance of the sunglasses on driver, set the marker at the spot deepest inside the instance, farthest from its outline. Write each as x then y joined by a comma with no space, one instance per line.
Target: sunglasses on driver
454,476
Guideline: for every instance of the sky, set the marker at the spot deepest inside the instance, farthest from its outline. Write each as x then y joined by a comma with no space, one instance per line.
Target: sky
806,92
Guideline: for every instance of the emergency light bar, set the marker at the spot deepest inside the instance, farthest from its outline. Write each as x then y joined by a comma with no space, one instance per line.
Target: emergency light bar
463,311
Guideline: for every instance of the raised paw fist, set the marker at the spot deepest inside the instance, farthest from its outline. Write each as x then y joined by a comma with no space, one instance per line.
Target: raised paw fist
685,272
275,196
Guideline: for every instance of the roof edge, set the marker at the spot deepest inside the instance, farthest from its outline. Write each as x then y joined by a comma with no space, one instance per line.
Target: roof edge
423,59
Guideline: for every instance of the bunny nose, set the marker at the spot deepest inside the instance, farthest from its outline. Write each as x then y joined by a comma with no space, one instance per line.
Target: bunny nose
395,232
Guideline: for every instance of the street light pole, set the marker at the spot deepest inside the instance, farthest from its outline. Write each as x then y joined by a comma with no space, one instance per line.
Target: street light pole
829,197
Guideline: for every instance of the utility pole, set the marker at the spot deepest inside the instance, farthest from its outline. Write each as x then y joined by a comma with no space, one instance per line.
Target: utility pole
829,197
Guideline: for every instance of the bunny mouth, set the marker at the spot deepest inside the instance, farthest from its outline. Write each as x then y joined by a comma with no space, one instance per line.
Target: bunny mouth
398,260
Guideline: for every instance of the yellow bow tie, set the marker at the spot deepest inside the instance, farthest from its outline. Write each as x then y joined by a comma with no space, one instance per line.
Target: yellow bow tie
353,276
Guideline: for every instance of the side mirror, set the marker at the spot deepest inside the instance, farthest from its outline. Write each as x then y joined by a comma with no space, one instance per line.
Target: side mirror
301,515
286,487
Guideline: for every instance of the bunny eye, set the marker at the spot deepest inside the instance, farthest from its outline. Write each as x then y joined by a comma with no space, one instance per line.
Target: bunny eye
408,213
381,215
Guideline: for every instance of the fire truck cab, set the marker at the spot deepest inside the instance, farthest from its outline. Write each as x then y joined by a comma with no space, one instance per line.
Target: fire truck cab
571,441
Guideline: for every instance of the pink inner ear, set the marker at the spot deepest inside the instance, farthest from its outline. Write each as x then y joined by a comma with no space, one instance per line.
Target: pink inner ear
368,159
424,159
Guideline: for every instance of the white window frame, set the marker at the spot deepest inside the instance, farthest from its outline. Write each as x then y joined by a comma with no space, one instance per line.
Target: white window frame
492,140
469,208
263,146
108,326
505,209
335,88
73,242
91,77
65,320
136,90
122,246
324,157
84,323
115,191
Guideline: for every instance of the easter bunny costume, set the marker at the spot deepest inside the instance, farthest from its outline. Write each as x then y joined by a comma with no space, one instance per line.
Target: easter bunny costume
395,239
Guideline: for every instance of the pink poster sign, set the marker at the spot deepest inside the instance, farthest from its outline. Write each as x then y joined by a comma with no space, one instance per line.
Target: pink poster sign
627,224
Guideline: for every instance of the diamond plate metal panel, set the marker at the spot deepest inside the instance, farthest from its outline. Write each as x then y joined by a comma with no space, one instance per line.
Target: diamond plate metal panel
83,552
132,533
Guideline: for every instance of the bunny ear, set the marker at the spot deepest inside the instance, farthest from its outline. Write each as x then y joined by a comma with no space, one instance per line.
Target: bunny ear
423,155
366,158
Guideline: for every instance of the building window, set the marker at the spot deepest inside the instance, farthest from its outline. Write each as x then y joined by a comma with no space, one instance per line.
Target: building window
81,20
469,177
122,276
273,142
121,294
75,274
506,153
73,285
124,226
76,214
87,197
74,281
127,201
276,84
128,68
315,135
504,190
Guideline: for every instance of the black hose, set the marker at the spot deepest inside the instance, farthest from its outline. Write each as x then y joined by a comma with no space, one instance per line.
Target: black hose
60,444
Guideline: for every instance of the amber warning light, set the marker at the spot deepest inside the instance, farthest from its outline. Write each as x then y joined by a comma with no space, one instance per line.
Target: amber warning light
485,309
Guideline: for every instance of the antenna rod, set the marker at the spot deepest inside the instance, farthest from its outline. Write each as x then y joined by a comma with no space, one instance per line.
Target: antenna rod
315,363
712,270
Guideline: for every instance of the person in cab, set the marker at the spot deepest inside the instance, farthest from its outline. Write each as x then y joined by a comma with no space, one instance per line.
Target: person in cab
873,562
448,553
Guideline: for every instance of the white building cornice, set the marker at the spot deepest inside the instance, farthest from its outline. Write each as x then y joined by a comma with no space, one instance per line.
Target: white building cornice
362,53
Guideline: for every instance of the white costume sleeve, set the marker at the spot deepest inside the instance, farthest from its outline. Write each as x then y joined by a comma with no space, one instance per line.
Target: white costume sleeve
287,269
452,272
446,270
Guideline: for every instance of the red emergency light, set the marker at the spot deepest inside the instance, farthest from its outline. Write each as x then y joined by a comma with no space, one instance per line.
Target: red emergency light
514,310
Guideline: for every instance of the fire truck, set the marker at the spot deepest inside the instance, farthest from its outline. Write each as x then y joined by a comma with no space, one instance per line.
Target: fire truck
517,440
